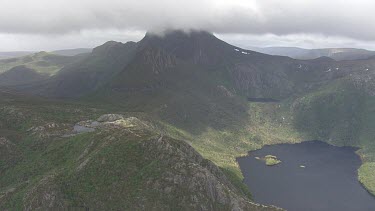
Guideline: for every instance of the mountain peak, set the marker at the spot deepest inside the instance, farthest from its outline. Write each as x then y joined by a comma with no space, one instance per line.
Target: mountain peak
196,46
112,47
178,33
174,38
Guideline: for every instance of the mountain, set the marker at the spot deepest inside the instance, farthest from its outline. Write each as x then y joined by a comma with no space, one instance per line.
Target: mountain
42,62
191,89
248,72
338,54
122,163
89,73
20,75
72,52
63,52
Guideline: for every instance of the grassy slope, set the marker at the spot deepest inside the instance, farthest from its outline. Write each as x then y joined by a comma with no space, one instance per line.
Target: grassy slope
90,170
25,168
41,62
338,113
267,124
341,114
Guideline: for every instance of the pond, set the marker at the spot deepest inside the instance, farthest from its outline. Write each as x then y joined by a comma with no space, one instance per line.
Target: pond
312,176
82,129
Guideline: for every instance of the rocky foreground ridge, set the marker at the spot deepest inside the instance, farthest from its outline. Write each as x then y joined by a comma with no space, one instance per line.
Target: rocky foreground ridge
120,163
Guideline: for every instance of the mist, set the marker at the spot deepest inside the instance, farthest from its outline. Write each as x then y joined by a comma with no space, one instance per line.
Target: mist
73,22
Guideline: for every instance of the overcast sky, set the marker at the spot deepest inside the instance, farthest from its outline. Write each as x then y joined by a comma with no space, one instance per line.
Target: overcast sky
59,24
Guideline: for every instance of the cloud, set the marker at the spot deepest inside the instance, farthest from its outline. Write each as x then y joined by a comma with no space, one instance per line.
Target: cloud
54,24
310,41
50,42
346,18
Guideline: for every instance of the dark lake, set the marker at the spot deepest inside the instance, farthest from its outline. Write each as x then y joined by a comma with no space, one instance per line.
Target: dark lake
327,183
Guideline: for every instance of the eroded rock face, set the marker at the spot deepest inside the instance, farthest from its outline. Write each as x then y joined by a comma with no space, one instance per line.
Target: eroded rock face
4,142
44,195
48,130
254,81
206,185
107,121
364,81
157,60
12,115
9,154
110,117
129,122
7,150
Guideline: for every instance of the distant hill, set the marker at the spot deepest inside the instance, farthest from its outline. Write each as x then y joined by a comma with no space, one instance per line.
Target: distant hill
13,54
91,72
20,75
63,52
42,62
72,52
338,54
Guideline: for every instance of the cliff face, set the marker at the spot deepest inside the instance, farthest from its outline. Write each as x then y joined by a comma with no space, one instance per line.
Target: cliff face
196,47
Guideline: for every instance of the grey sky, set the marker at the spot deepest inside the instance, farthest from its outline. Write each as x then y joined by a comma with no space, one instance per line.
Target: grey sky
56,24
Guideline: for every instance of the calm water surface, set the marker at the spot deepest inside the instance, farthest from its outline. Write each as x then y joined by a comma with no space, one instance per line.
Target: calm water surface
327,183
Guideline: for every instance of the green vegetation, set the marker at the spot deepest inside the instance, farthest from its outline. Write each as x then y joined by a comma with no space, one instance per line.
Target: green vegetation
338,113
42,62
271,160
127,160
366,176
342,115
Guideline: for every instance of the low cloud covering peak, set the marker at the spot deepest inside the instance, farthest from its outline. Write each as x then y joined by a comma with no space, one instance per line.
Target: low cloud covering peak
352,19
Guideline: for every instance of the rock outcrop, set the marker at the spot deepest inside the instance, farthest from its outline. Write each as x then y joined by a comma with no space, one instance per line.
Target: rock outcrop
123,163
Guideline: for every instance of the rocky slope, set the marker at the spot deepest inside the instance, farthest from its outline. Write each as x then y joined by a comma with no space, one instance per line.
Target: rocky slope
122,163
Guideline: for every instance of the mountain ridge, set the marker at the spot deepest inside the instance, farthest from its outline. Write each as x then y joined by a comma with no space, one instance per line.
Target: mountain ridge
338,54
197,88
